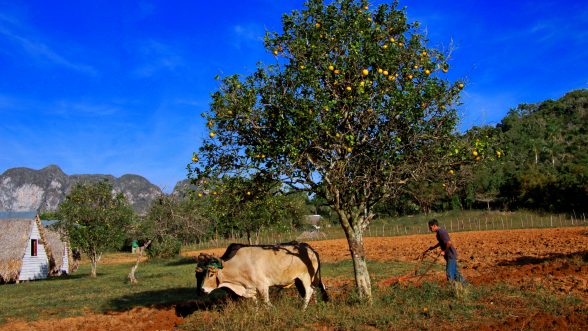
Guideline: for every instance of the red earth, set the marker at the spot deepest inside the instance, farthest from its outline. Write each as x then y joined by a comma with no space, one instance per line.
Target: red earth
529,258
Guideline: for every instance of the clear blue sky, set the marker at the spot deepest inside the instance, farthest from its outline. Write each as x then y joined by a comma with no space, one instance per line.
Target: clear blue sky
117,87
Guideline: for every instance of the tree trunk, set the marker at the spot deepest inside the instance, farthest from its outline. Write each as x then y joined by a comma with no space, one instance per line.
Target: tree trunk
131,275
94,258
93,261
362,276
353,225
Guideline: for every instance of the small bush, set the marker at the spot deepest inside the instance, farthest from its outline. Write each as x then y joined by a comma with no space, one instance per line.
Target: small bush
167,248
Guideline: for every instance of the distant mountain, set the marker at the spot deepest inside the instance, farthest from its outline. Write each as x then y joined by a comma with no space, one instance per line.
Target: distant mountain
182,188
24,189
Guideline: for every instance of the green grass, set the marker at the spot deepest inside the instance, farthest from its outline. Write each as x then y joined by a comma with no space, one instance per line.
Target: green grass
160,283
396,307
167,283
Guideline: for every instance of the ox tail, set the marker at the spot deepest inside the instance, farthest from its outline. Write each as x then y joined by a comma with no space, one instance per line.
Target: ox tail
317,280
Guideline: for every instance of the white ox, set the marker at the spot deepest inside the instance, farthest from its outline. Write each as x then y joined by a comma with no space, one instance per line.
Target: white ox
248,270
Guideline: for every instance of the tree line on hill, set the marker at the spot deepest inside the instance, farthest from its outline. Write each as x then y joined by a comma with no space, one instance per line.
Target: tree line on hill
541,164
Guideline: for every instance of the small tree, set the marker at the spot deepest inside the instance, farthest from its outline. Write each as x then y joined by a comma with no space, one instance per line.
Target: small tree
95,219
355,107
170,222
238,205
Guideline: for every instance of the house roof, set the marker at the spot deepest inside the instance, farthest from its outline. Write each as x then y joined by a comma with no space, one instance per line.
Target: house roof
24,215
47,223
56,247
14,235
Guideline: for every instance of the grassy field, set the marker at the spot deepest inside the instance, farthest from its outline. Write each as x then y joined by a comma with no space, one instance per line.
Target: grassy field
160,283
170,283
167,283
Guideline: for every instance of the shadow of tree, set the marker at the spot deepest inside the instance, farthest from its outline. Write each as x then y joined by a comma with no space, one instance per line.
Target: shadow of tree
524,260
182,261
73,276
186,300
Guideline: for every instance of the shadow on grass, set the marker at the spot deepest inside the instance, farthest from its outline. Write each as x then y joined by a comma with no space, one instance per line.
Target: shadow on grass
524,260
182,261
185,300
72,276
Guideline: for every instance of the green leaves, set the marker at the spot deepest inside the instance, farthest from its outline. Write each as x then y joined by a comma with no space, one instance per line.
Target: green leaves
357,101
94,218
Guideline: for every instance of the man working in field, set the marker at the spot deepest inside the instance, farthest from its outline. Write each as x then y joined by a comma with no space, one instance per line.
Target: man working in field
448,251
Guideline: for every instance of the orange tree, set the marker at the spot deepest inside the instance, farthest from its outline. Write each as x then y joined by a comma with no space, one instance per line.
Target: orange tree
355,107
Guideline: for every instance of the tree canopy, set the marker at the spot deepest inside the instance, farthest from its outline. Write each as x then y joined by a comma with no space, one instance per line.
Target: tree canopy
355,108
547,161
95,219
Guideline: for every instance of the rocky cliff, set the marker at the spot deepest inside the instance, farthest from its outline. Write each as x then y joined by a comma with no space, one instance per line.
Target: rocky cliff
24,189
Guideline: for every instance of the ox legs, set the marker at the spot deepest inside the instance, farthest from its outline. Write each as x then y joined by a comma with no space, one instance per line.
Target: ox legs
305,289
264,294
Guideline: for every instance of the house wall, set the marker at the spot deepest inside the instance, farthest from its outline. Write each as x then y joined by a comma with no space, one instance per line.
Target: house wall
34,267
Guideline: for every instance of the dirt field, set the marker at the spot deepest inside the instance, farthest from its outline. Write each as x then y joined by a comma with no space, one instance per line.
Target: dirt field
547,258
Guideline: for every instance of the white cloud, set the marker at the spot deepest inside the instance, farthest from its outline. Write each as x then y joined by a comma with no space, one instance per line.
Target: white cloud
156,57
247,36
41,51
80,108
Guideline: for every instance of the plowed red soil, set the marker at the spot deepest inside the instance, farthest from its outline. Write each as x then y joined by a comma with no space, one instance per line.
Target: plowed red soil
549,258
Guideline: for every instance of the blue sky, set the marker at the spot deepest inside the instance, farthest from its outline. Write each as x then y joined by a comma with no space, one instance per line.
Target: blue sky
117,87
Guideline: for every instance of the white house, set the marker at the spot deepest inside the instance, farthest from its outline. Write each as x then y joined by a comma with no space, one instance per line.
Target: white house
22,251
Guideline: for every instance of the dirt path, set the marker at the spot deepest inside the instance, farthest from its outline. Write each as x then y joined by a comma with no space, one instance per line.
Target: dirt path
533,257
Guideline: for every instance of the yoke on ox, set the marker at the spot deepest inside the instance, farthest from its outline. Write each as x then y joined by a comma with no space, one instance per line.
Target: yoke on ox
251,269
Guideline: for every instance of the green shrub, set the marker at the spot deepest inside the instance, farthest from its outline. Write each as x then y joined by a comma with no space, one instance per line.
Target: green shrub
168,247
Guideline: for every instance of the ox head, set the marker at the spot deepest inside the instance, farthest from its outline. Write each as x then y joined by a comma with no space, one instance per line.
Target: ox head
207,267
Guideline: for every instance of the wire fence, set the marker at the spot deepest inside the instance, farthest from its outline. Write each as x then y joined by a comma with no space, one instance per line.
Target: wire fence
390,228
